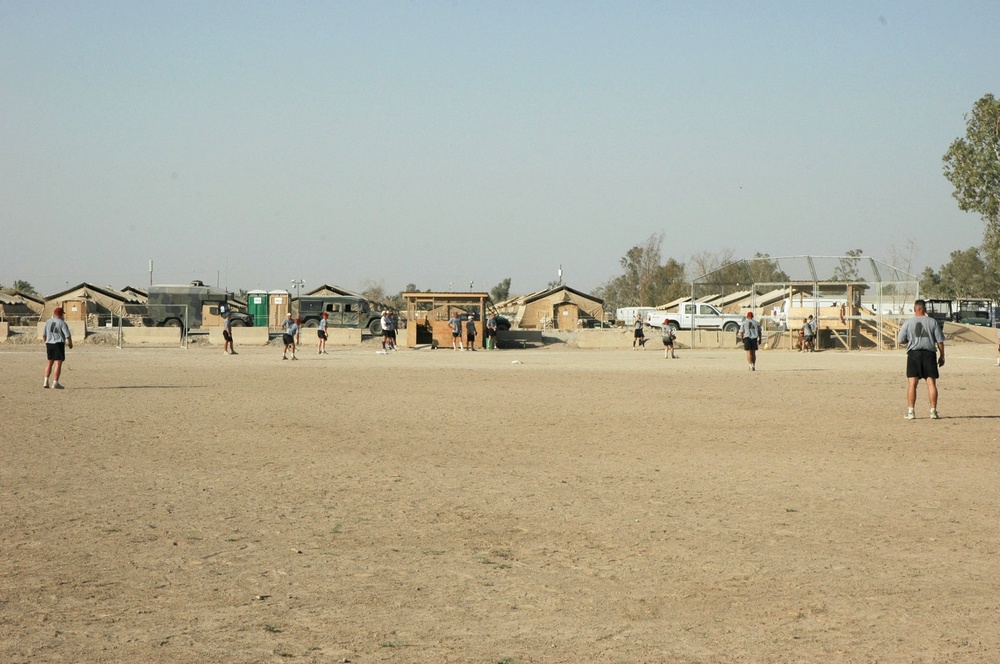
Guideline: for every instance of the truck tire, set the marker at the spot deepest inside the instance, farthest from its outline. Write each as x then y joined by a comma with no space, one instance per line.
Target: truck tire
312,322
730,327
375,327
236,323
673,326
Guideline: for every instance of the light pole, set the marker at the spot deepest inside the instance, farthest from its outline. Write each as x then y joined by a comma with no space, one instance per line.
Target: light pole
298,283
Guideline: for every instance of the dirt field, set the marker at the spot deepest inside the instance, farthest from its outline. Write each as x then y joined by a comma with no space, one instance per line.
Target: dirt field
433,506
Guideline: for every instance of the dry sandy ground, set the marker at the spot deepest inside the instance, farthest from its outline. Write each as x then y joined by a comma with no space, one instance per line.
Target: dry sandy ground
433,506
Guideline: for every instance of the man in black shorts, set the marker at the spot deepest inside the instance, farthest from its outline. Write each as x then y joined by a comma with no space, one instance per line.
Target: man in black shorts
57,338
924,355
227,334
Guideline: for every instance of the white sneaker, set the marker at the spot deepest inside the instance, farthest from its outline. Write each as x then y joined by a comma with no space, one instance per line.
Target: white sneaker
934,414
56,386
909,415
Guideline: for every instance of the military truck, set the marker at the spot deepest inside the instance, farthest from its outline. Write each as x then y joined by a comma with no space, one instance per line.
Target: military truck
177,305
342,310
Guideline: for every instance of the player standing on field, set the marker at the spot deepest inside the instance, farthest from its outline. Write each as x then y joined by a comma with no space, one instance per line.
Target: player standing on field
924,354
750,334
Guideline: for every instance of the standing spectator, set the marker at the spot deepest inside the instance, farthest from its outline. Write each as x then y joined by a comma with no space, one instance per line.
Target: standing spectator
750,334
490,334
388,324
289,335
57,338
998,344
456,331
924,354
321,333
809,335
800,342
227,334
470,331
638,338
668,342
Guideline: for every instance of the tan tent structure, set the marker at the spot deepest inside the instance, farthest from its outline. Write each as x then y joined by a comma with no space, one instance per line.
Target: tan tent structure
561,308
18,307
95,305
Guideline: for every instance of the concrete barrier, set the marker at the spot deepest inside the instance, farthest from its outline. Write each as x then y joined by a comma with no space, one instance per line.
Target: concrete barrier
335,336
242,336
622,338
152,336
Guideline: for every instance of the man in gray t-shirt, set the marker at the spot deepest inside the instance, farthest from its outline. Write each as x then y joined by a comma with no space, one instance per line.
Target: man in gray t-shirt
57,338
924,354
750,333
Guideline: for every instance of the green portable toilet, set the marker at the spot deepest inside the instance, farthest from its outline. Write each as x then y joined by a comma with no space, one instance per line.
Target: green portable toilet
257,307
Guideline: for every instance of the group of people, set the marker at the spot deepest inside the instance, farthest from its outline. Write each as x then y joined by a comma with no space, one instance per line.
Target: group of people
807,336
922,335
489,333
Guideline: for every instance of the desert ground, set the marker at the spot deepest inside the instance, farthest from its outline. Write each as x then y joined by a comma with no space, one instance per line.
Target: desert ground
539,505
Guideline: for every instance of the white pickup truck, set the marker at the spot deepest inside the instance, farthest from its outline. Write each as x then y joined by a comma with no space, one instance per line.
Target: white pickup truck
708,318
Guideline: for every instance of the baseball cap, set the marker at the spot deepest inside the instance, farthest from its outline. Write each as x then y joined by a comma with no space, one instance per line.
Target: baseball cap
749,314
57,311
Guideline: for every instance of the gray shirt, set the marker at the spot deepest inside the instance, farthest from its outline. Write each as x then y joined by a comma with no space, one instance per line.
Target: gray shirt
921,333
749,329
56,331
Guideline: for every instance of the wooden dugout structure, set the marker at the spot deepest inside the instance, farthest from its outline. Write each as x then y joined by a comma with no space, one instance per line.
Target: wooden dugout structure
427,316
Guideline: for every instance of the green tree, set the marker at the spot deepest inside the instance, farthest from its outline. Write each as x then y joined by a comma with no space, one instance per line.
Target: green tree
966,275
24,287
972,165
646,281
765,271
501,291
930,284
848,268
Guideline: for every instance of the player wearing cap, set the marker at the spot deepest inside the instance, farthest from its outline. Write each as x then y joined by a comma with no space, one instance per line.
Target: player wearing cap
750,334
470,332
57,338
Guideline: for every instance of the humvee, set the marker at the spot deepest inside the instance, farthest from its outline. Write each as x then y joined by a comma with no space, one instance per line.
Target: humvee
342,311
175,305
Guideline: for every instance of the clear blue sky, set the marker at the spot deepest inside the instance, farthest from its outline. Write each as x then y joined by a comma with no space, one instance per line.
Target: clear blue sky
443,143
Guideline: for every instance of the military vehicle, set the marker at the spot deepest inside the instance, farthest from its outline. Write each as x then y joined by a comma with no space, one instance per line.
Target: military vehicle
177,305
342,311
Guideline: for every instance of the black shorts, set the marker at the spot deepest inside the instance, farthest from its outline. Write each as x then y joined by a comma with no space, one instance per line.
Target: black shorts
55,352
749,344
227,335
321,334
668,341
288,339
639,334
921,364
456,335
489,333
471,338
